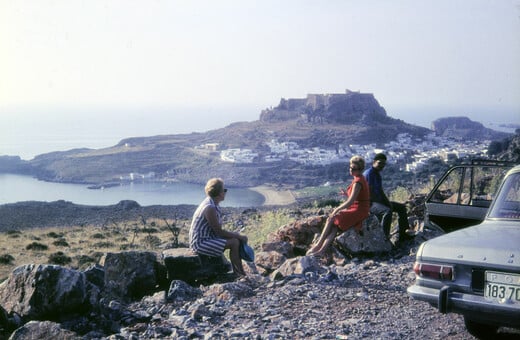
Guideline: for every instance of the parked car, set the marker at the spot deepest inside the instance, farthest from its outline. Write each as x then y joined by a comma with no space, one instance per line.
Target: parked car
462,196
475,271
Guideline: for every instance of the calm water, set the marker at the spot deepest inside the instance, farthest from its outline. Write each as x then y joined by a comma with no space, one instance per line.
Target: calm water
16,188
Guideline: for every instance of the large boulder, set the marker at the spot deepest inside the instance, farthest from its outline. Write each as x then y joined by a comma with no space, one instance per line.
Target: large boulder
269,260
371,239
183,264
299,234
297,266
131,275
44,292
43,330
295,238
226,292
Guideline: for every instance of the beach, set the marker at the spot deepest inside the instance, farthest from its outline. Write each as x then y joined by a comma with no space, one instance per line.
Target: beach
275,196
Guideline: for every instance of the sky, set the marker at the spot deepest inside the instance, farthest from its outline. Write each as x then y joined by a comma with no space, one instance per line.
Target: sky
149,67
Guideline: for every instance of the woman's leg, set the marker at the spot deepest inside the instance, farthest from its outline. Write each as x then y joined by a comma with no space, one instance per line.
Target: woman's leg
328,240
325,234
233,245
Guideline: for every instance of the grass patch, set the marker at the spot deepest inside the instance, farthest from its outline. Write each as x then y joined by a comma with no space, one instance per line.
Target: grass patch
258,229
104,244
320,192
84,246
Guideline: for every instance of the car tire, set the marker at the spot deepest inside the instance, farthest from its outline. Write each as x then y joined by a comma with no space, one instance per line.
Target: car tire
480,330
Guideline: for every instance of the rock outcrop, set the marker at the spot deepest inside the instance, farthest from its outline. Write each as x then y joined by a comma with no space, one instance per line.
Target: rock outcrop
507,149
343,108
463,128
43,292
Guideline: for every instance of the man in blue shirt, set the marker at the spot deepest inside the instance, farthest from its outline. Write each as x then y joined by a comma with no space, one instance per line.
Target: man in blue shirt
381,206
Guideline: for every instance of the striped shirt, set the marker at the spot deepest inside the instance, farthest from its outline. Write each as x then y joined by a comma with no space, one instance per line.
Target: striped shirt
203,239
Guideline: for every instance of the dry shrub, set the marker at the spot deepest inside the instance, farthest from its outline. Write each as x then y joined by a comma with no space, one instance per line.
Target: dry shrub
6,259
36,246
61,243
55,235
59,258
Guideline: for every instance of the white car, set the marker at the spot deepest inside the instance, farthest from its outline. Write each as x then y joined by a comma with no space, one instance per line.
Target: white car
475,271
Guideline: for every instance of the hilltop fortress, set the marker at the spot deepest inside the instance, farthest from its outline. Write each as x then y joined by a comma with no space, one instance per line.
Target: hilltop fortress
344,108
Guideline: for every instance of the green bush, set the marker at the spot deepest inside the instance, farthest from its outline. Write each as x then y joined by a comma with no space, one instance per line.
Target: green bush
98,236
85,260
149,230
36,246
14,233
61,243
6,259
59,258
55,235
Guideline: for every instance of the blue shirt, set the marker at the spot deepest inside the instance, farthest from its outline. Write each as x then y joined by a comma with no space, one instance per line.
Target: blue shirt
375,183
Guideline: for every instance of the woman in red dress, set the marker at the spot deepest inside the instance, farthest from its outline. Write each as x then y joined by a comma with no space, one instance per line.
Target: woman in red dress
350,213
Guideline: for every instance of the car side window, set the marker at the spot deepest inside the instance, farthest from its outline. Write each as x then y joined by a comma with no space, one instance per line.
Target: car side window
469,185
485,182
507,204
448,190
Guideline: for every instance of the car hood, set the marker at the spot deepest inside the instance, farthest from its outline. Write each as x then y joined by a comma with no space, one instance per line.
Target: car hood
491,243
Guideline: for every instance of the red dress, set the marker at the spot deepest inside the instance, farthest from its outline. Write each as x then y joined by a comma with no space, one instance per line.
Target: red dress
354,215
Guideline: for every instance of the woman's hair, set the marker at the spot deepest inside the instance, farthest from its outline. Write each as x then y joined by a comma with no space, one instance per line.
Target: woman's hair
214,187
358,161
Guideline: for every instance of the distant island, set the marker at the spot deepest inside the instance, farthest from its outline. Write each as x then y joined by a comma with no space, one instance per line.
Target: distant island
300,142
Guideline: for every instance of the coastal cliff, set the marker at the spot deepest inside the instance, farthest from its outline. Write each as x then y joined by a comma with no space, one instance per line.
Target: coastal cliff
464,128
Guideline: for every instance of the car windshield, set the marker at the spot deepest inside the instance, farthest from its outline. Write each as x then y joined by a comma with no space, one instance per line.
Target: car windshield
507,204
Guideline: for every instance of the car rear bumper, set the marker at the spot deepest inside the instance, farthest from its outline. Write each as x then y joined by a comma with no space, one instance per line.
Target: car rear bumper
472,306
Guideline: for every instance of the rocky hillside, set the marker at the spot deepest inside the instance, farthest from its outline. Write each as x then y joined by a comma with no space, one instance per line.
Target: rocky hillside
126,296
323,121
463,128
507,149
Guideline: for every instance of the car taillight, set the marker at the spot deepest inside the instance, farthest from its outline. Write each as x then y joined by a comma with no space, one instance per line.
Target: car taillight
433,271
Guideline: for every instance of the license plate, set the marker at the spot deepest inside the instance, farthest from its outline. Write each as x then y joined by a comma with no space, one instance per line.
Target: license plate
502,287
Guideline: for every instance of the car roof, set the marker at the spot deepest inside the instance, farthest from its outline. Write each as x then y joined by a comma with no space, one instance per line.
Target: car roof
515,169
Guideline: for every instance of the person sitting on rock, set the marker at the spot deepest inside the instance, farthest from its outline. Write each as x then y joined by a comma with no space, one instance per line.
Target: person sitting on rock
206,234
381,205
350,213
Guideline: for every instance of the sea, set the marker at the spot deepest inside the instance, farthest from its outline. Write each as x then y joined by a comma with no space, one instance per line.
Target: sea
18,188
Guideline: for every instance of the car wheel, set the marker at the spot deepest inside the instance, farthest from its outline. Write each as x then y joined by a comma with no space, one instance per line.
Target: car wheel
480,330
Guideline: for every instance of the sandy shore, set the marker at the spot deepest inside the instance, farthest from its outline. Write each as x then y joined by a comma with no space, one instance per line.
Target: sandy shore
275,196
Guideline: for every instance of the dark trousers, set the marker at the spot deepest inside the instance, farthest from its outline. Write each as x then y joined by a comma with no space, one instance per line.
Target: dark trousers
384,214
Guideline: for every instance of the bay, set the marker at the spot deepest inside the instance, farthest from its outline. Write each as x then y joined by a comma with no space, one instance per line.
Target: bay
18,188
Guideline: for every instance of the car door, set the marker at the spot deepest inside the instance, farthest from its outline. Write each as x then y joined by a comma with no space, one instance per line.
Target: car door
463,195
